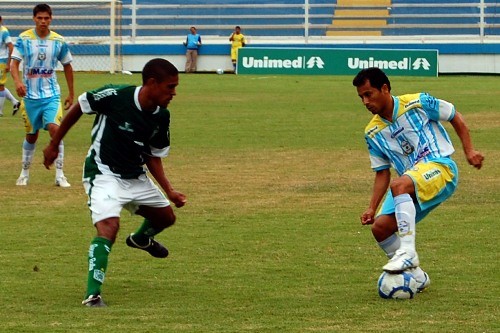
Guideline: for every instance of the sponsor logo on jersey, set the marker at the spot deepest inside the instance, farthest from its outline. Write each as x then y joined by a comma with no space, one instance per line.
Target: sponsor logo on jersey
411,103
372,130
397,132
39,72
126,127
104,93
424,152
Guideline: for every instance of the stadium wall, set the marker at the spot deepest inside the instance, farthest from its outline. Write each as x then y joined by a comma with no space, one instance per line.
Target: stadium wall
460,57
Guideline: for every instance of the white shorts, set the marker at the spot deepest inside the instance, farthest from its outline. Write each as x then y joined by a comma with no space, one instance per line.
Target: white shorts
107,195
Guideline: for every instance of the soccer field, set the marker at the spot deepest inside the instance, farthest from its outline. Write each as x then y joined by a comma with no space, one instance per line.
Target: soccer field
276,173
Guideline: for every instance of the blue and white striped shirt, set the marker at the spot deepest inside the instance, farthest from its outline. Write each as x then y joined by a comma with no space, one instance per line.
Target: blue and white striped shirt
40,58
414,135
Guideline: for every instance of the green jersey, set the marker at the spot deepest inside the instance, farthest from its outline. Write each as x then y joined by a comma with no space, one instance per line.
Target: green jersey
123,135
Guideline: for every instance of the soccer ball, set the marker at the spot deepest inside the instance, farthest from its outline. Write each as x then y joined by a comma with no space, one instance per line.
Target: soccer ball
219,71
397,286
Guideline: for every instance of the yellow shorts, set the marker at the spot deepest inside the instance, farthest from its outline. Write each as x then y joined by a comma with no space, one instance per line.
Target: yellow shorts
434,183
3,74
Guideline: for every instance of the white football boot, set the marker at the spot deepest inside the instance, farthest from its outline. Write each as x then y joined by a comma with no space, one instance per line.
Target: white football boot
62,182
401,261
421,277
22,181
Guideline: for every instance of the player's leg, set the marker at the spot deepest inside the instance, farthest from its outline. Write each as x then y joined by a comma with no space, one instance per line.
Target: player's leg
105,204
52,118
155,221
32,115
234,57
99,250
158,215
384,229
15,103
3,80
2,99
405,257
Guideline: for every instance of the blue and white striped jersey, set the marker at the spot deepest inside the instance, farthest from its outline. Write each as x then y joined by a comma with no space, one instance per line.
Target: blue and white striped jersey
40,57
414,135
4,40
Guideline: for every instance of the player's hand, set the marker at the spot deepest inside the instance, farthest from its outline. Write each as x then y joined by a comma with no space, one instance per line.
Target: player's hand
368,217
49,155
475,159
68,102
21,90
178,198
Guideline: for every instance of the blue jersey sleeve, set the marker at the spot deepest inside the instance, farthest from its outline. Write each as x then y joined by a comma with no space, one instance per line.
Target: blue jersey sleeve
437,109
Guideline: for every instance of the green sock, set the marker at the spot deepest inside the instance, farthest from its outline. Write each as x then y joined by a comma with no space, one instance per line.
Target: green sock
98,262
142,235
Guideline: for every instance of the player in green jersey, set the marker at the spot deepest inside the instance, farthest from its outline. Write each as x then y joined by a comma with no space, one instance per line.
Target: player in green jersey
130,131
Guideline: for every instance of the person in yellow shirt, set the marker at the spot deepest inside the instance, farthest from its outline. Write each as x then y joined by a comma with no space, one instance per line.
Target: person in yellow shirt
237,40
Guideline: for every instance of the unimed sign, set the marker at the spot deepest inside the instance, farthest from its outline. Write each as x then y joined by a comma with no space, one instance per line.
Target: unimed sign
306,61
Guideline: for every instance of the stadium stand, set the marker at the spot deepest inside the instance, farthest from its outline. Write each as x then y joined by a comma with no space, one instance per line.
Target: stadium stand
263,18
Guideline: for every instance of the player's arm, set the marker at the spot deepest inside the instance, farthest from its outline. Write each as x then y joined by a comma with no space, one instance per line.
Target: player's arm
474,157
380,186
14,72
155,167
50,152
68,73
10,47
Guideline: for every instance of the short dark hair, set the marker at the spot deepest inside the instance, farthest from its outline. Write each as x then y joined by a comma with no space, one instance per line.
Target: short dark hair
158,69
42,8
374,75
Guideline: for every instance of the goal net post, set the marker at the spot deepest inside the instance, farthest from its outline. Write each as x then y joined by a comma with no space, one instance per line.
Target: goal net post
92,29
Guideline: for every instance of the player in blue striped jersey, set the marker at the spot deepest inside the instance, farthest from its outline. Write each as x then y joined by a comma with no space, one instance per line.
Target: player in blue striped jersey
405,133
6,48
40,50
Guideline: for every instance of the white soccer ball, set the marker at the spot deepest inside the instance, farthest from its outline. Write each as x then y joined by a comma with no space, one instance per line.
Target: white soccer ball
219,71
397,286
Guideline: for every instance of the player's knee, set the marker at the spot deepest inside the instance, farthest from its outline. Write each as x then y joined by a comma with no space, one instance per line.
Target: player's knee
401,185
108,229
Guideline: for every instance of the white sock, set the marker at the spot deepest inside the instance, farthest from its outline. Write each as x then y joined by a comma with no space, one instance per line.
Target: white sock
405,218
390,245
60,161
10,97
28,153
2,100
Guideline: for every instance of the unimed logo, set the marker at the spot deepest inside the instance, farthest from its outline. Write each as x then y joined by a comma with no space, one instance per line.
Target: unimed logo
295,63
403,64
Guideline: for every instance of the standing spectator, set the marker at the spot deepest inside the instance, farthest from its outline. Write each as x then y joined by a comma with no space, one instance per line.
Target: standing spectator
40,49
6,48
192,43
237,40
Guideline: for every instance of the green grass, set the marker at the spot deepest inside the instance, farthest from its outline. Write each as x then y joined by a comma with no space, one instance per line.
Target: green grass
276,173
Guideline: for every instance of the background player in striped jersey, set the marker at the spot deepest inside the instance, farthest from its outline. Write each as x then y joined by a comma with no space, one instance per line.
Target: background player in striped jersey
41,49
6,48
405,133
